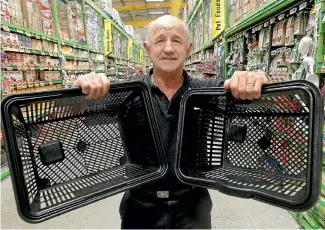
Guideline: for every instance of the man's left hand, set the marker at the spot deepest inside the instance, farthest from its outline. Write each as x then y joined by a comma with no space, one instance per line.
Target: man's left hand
246,85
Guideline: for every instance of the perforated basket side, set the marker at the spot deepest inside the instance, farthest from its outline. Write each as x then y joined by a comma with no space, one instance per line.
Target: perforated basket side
90,133
271,147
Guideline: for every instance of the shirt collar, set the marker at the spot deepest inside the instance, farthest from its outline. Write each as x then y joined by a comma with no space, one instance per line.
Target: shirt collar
186,82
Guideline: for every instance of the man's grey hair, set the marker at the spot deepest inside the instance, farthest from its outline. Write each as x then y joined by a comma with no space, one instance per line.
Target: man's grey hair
151,25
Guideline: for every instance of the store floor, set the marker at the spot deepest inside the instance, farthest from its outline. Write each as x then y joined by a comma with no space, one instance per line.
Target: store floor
228,212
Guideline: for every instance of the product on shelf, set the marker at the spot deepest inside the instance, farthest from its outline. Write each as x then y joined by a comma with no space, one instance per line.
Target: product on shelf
280,58
96,57
11,11
71,21
104,5
94,27
46,16
120,44
240,9
67,50
32,15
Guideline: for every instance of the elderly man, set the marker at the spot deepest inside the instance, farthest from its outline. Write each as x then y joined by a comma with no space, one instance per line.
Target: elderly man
168,203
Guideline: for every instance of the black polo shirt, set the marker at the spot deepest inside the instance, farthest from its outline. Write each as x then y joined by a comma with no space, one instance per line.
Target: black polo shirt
167,113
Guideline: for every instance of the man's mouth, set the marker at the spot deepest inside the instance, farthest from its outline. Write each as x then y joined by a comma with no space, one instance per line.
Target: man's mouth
169,58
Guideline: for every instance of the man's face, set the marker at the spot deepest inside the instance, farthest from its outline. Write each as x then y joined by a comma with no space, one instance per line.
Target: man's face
168,47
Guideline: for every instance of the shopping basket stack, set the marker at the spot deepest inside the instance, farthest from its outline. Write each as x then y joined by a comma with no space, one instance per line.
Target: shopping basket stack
66,151
268,149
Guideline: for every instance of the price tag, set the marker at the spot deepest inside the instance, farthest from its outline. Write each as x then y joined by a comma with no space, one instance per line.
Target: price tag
27,51
51,54
272,21
38,37
6,28
62,43
302,6
25,68
293,11
50,82
22,49
50,68
42,83
30,84
43,37
41,68
23,85
19,68
37,84
28,34
260,27
9,68
19,85
12,86
42,53
20,31
281,17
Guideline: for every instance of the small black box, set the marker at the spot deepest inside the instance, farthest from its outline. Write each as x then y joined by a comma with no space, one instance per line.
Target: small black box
51,152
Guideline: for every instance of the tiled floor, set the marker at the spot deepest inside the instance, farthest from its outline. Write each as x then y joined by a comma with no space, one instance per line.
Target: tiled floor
228,212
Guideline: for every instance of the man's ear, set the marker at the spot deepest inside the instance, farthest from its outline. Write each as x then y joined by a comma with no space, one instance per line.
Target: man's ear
146,47
189,49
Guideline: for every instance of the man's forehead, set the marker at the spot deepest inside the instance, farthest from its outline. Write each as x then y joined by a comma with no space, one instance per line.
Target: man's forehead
175,27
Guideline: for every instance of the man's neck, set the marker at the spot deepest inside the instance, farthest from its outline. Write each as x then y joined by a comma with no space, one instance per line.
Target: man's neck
168,80
168,83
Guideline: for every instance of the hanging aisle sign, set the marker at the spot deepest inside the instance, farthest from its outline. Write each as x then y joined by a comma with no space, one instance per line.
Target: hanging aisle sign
218,17
141,56
108,40
130,48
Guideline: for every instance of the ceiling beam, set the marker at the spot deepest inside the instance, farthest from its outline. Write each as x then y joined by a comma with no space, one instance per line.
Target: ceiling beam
139,22
175,7
156,5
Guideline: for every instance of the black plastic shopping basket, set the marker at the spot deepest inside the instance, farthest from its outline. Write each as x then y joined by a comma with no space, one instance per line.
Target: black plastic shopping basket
65,151
268,149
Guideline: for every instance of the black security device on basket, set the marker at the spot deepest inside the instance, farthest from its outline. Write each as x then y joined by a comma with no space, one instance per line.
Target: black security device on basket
268,149
65,151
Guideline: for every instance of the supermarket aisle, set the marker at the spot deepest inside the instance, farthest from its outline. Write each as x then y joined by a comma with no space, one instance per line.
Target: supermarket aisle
227,213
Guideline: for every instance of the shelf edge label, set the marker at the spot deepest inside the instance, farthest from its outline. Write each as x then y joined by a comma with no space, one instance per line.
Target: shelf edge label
218,17
108,39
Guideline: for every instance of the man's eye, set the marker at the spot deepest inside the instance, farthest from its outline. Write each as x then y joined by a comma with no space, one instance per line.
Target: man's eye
159,41
177,41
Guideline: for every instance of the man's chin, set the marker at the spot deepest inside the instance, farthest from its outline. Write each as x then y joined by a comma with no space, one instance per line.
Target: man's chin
169,68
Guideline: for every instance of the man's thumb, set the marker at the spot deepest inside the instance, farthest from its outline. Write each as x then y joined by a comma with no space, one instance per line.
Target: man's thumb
227,84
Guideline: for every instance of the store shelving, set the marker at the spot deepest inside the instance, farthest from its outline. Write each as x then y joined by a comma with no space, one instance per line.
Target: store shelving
8,27
202,18
264,11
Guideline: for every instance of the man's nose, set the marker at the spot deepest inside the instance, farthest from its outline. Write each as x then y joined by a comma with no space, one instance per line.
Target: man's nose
169,47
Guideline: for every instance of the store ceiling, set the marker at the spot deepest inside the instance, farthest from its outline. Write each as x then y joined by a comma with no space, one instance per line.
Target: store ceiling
139,13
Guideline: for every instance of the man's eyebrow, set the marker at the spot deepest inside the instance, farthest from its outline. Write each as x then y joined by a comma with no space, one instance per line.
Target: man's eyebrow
177,36
159,37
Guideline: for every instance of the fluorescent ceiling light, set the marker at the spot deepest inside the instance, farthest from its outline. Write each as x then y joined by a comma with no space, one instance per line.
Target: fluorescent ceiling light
156,12
155,0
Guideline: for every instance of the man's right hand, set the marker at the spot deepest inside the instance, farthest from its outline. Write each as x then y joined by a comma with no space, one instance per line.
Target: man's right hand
93,85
